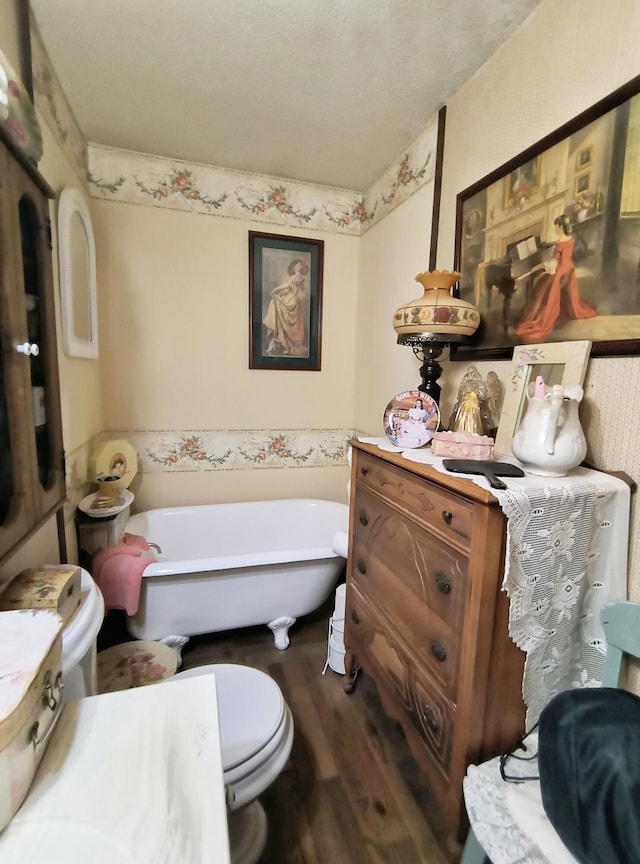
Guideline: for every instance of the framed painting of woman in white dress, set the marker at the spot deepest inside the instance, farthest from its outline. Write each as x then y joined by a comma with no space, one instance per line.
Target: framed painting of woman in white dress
285,301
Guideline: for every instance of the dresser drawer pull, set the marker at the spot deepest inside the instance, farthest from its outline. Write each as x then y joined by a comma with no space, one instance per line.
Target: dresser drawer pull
364,471
429,715
363,518
443,582
447,516
438,650
355,617
362,567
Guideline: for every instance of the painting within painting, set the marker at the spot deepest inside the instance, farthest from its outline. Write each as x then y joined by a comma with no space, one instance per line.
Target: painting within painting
551,251
285,303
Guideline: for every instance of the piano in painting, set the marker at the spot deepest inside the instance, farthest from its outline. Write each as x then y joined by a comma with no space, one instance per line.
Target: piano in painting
515,271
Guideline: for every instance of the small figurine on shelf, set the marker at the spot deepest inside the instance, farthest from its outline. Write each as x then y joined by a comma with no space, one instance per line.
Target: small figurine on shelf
466,416
471,383
487,394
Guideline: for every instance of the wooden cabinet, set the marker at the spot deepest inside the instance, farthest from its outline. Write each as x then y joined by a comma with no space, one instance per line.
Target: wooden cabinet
426,619
32,483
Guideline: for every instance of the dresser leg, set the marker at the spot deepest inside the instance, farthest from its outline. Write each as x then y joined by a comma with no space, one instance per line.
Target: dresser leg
351,670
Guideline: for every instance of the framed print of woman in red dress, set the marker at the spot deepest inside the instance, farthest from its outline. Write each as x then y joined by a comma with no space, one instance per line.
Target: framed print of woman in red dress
554,295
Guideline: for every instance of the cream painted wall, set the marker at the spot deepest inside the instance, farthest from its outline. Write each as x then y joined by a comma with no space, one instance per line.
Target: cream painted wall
205,487
174,307
391,254
174,312
531,86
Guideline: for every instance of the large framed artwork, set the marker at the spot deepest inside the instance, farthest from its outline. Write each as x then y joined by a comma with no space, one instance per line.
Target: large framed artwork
548,245
285,301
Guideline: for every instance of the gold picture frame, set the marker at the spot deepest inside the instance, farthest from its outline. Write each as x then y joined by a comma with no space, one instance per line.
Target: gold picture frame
556,362
582,184
584,157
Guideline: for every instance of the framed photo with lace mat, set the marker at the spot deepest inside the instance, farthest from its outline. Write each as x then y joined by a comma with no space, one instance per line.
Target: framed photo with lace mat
556,362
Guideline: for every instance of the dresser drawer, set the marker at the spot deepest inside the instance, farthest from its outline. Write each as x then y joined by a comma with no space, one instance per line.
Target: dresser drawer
400,550
428,640
419,702
447,514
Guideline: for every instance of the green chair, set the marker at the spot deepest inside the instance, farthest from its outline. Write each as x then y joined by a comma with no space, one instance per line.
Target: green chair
621,624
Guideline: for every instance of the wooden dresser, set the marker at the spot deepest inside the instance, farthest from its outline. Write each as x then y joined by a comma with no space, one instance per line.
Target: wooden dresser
426,619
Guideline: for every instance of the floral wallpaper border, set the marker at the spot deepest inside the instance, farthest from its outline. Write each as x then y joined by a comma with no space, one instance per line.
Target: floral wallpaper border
235,450
139,178
156,181
217,450
51,101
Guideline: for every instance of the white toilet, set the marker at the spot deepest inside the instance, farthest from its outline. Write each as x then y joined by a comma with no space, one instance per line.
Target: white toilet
79,636
256,735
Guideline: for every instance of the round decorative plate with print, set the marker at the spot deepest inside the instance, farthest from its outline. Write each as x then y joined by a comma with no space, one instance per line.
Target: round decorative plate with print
87,505
411,418
134,664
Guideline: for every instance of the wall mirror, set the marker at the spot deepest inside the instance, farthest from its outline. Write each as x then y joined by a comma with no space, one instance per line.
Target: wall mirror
77,257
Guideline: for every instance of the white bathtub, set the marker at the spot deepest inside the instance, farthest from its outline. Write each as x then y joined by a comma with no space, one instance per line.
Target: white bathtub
223,566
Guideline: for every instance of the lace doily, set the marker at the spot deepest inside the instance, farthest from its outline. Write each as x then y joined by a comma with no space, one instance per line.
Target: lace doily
566,557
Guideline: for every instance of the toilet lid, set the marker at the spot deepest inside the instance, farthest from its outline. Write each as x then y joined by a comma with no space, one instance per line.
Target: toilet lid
250,708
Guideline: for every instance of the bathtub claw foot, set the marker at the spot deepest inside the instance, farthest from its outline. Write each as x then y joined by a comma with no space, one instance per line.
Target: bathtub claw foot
280,629
176,643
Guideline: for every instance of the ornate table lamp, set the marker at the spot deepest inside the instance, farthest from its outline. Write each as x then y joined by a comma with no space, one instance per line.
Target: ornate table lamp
434,321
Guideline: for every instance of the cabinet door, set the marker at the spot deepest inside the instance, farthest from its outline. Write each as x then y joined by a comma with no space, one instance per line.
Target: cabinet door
31,471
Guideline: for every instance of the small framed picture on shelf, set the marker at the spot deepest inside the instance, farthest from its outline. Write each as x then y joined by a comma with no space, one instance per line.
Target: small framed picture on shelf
556,362
582,184
583,158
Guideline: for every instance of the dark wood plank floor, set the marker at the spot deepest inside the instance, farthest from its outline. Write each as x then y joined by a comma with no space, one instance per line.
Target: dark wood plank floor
351,792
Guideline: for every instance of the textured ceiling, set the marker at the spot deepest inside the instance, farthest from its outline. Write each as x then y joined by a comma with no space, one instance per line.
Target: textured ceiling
326,91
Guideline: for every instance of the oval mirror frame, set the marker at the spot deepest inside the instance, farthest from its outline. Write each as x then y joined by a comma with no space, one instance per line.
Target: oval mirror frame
77,263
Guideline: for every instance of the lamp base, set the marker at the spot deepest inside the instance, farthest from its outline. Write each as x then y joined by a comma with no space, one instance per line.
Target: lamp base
428,347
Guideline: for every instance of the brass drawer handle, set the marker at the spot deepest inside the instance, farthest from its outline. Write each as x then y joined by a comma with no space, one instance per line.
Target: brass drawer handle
443,582
364,471
438,650
429,715
362,567
355,617
363,518
447,516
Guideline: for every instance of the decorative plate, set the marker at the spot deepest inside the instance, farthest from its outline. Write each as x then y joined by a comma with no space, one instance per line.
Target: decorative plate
411,418
125,498
134,664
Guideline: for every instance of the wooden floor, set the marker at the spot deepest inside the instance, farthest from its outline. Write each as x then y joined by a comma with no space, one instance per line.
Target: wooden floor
351,792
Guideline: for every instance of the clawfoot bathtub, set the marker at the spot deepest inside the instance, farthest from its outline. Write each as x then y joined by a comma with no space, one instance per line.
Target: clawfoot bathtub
224,566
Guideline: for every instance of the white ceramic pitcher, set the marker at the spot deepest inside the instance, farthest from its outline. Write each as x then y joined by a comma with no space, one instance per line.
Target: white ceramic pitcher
550,440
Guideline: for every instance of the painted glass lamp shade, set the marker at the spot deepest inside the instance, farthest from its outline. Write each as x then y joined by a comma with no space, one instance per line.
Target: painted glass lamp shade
437,313
429,323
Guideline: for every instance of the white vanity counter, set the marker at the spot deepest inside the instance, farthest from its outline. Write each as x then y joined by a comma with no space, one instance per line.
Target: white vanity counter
132,777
